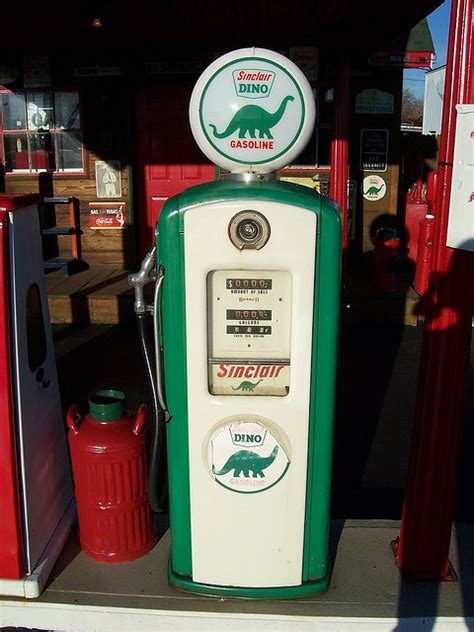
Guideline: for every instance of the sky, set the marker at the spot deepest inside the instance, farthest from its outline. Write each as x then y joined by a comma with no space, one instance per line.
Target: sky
438,22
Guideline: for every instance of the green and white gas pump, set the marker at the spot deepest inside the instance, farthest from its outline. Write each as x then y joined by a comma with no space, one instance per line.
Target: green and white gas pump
247,309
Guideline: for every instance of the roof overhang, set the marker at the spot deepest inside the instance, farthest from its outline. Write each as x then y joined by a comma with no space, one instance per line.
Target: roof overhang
362,26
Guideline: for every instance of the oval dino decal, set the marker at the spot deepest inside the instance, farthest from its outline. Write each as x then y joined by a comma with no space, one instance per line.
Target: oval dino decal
246,457
373,188
252,108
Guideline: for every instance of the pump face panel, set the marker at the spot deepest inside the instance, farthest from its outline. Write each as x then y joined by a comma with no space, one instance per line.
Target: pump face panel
249,319
250,385
249,316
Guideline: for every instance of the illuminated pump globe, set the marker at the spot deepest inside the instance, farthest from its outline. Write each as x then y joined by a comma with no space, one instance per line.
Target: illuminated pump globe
252,111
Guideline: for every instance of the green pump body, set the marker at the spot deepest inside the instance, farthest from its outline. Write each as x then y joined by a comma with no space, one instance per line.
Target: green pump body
248,321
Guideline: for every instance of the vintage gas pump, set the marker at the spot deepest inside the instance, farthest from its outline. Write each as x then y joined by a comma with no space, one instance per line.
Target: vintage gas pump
37,509
246,311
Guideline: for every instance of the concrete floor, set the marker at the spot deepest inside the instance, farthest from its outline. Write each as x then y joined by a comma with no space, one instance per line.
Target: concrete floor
366,593
378,368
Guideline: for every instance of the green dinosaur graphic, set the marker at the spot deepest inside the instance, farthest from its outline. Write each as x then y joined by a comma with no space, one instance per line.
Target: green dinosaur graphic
246,386
373,190
246,461
251,118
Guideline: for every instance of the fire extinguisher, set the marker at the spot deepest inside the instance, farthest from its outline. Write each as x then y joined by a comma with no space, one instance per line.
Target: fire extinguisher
110,471
423,263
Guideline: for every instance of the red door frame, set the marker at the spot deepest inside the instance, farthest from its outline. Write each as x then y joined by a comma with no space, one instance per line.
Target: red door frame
339,173
12,560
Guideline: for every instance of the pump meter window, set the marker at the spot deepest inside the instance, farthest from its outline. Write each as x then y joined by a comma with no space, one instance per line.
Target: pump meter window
249,319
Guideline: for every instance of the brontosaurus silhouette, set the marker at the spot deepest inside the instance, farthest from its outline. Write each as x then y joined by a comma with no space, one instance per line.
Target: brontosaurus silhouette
246,386
373,190
246,461
251,118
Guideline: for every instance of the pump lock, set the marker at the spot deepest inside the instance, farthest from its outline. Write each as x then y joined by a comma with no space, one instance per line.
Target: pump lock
249,229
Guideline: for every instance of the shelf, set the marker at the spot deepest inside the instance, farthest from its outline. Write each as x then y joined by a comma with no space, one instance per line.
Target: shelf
69,266
59,230
73,231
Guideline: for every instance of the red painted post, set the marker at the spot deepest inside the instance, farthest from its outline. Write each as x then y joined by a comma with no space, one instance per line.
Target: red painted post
423,546
340,151
12,555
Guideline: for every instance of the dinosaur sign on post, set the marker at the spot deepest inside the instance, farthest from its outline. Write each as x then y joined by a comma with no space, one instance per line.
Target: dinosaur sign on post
252,111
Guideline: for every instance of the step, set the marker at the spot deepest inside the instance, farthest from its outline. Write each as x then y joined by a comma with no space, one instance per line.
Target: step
68,266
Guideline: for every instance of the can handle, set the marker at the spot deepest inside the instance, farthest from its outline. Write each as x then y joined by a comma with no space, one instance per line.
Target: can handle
140,420
73,418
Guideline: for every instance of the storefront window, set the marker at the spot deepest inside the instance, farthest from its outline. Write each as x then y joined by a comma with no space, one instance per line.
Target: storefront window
41,131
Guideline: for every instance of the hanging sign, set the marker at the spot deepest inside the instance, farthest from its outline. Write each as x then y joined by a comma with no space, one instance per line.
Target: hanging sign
252,110
36,72
403,59
106,215
373,101
97,71
7,74
173,67
306,58
373,149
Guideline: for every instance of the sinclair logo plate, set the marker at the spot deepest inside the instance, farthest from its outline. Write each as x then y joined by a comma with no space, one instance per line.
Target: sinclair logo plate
249,379
252,110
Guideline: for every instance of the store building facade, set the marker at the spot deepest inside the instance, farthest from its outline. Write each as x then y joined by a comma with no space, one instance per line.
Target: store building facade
101,115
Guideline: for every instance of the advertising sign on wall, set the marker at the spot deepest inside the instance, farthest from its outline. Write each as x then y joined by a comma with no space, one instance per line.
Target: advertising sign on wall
108,183
373,188
105,215
373,149
36,72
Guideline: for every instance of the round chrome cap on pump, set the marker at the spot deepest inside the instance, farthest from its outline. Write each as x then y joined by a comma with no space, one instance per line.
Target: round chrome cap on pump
249,229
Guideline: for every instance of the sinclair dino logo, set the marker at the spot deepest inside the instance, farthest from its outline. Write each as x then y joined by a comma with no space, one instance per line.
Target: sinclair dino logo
254,109
253,83
245,456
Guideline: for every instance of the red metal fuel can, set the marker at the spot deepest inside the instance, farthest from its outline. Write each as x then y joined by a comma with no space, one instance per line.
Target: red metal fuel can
110,470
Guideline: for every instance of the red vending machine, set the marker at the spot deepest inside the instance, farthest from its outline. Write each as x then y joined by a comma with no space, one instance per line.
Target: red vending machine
36,495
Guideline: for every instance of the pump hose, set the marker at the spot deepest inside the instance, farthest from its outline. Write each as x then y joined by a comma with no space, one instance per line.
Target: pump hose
157,480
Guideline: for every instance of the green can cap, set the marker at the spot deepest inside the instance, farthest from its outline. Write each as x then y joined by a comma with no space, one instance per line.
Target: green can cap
108,405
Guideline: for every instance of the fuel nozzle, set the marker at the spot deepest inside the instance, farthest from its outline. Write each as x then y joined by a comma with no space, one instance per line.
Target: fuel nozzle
138,280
